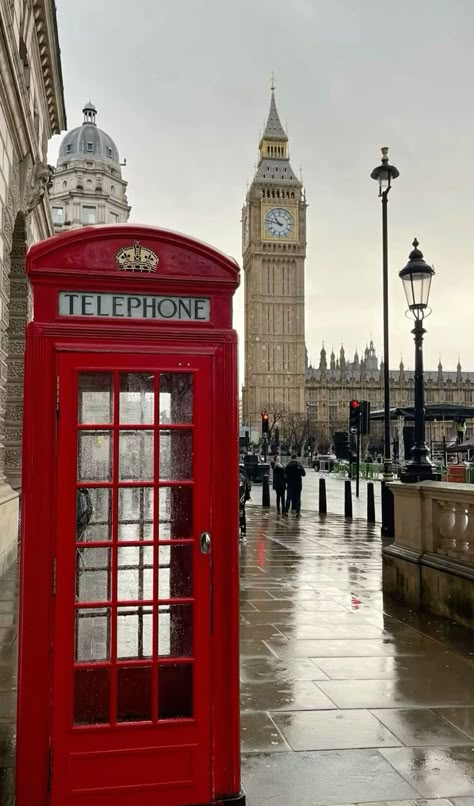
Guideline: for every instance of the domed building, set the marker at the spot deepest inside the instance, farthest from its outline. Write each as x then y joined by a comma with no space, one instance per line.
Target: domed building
88,187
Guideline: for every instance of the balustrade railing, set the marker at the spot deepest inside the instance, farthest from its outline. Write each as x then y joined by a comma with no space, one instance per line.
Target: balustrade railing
452,521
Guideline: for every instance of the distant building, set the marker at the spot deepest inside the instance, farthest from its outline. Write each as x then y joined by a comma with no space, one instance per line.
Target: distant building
88,187
274,252
330,386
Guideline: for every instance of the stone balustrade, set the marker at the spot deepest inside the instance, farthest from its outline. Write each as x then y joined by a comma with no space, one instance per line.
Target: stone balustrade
431,562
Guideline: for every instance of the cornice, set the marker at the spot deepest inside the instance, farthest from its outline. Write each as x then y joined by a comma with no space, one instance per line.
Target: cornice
46,28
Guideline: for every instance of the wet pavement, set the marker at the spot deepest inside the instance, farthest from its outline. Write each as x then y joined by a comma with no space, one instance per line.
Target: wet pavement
345,698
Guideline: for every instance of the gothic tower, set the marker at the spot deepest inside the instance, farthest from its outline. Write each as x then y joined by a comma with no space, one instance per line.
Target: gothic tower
274,252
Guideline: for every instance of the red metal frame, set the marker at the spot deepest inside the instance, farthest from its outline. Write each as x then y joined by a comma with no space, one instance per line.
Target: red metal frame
84,260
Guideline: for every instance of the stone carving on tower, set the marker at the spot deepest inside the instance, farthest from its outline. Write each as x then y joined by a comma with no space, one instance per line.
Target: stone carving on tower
87,186
274,252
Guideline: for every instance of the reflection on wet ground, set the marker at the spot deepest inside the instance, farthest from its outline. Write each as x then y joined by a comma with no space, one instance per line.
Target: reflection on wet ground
346,698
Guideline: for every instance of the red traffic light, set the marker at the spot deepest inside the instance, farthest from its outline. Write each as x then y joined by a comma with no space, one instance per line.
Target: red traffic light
354,404
264,415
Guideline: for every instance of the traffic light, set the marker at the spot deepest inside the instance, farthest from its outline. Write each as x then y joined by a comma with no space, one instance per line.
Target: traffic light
354,416
365,417
264,422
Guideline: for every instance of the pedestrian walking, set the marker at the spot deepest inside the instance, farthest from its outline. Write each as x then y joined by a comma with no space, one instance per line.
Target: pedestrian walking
294,472
279,483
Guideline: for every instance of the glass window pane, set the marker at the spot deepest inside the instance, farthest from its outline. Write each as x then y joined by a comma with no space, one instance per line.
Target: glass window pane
91,696
176,513
176,455
95,397
92,575
135,517
135,572
93,517
134,694
136,398
176,397
92,634
134,632
175,691
175,630
175,574
136,456
94,456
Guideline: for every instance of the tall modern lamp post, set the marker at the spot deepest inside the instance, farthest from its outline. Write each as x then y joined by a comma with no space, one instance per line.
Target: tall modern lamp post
416,277
384,174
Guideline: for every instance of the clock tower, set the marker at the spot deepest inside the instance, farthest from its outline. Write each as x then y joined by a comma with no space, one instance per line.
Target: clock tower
274,252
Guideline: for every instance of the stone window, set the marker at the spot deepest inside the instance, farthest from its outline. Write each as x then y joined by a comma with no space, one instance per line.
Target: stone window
58,215
89,214
64,184
68,148
90,147
109,153
114,218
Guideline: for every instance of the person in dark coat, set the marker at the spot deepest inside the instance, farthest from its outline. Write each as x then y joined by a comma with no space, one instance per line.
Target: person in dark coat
279,483
294,472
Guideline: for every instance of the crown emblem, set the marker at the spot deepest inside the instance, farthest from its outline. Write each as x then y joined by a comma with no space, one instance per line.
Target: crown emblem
136,258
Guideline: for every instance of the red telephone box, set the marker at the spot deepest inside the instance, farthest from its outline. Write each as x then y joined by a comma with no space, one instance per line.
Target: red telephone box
128,670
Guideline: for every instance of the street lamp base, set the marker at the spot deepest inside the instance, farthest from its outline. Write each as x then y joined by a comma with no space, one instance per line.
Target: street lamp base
424,471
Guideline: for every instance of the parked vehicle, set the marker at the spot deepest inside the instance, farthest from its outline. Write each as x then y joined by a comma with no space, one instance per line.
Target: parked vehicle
324,462
254,467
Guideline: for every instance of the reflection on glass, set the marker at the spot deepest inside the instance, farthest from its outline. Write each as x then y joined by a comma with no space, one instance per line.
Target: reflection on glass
93,515
175,630
176,455
94,456
176,513
176,397
135,515
136,398
175,574
134,632
135,573
175,691
136,455
134,694
92,575
92,634
95,397
91,696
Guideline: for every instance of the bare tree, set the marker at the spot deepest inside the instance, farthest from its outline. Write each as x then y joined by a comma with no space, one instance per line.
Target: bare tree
296,429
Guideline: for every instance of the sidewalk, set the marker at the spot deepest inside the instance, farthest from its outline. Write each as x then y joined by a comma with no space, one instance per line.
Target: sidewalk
346,699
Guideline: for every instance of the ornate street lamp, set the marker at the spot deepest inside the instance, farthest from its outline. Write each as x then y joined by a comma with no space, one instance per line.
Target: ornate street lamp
416,277
384,174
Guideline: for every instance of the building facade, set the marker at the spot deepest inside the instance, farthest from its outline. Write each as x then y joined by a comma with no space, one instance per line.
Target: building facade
335,382
274,252
31,111
88,187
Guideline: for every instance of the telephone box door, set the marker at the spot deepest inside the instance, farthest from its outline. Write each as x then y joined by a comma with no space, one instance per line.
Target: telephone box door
132,667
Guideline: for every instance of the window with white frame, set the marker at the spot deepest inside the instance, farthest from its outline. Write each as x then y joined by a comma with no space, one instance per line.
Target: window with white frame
89,214
114,218
58,215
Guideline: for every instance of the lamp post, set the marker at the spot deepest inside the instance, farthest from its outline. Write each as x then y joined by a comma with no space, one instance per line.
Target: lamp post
384,174
416,277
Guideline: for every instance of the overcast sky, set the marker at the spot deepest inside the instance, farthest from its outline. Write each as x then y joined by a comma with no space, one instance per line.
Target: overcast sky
183,87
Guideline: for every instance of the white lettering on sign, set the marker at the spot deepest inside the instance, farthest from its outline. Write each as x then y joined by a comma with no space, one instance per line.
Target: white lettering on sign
134,306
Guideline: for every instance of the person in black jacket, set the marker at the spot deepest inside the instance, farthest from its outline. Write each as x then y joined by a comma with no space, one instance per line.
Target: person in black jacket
294,472
279,483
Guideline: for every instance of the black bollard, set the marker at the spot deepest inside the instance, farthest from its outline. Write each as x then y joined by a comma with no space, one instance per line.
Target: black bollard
347,499
265,491
370,502
323,507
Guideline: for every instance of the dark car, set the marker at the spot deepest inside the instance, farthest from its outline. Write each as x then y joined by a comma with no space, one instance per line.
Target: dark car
254,467
324,462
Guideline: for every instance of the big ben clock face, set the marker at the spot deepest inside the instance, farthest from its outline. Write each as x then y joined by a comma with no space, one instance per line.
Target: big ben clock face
279,223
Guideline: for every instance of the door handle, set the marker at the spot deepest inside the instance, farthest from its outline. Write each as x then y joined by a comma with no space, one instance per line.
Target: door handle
205,541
